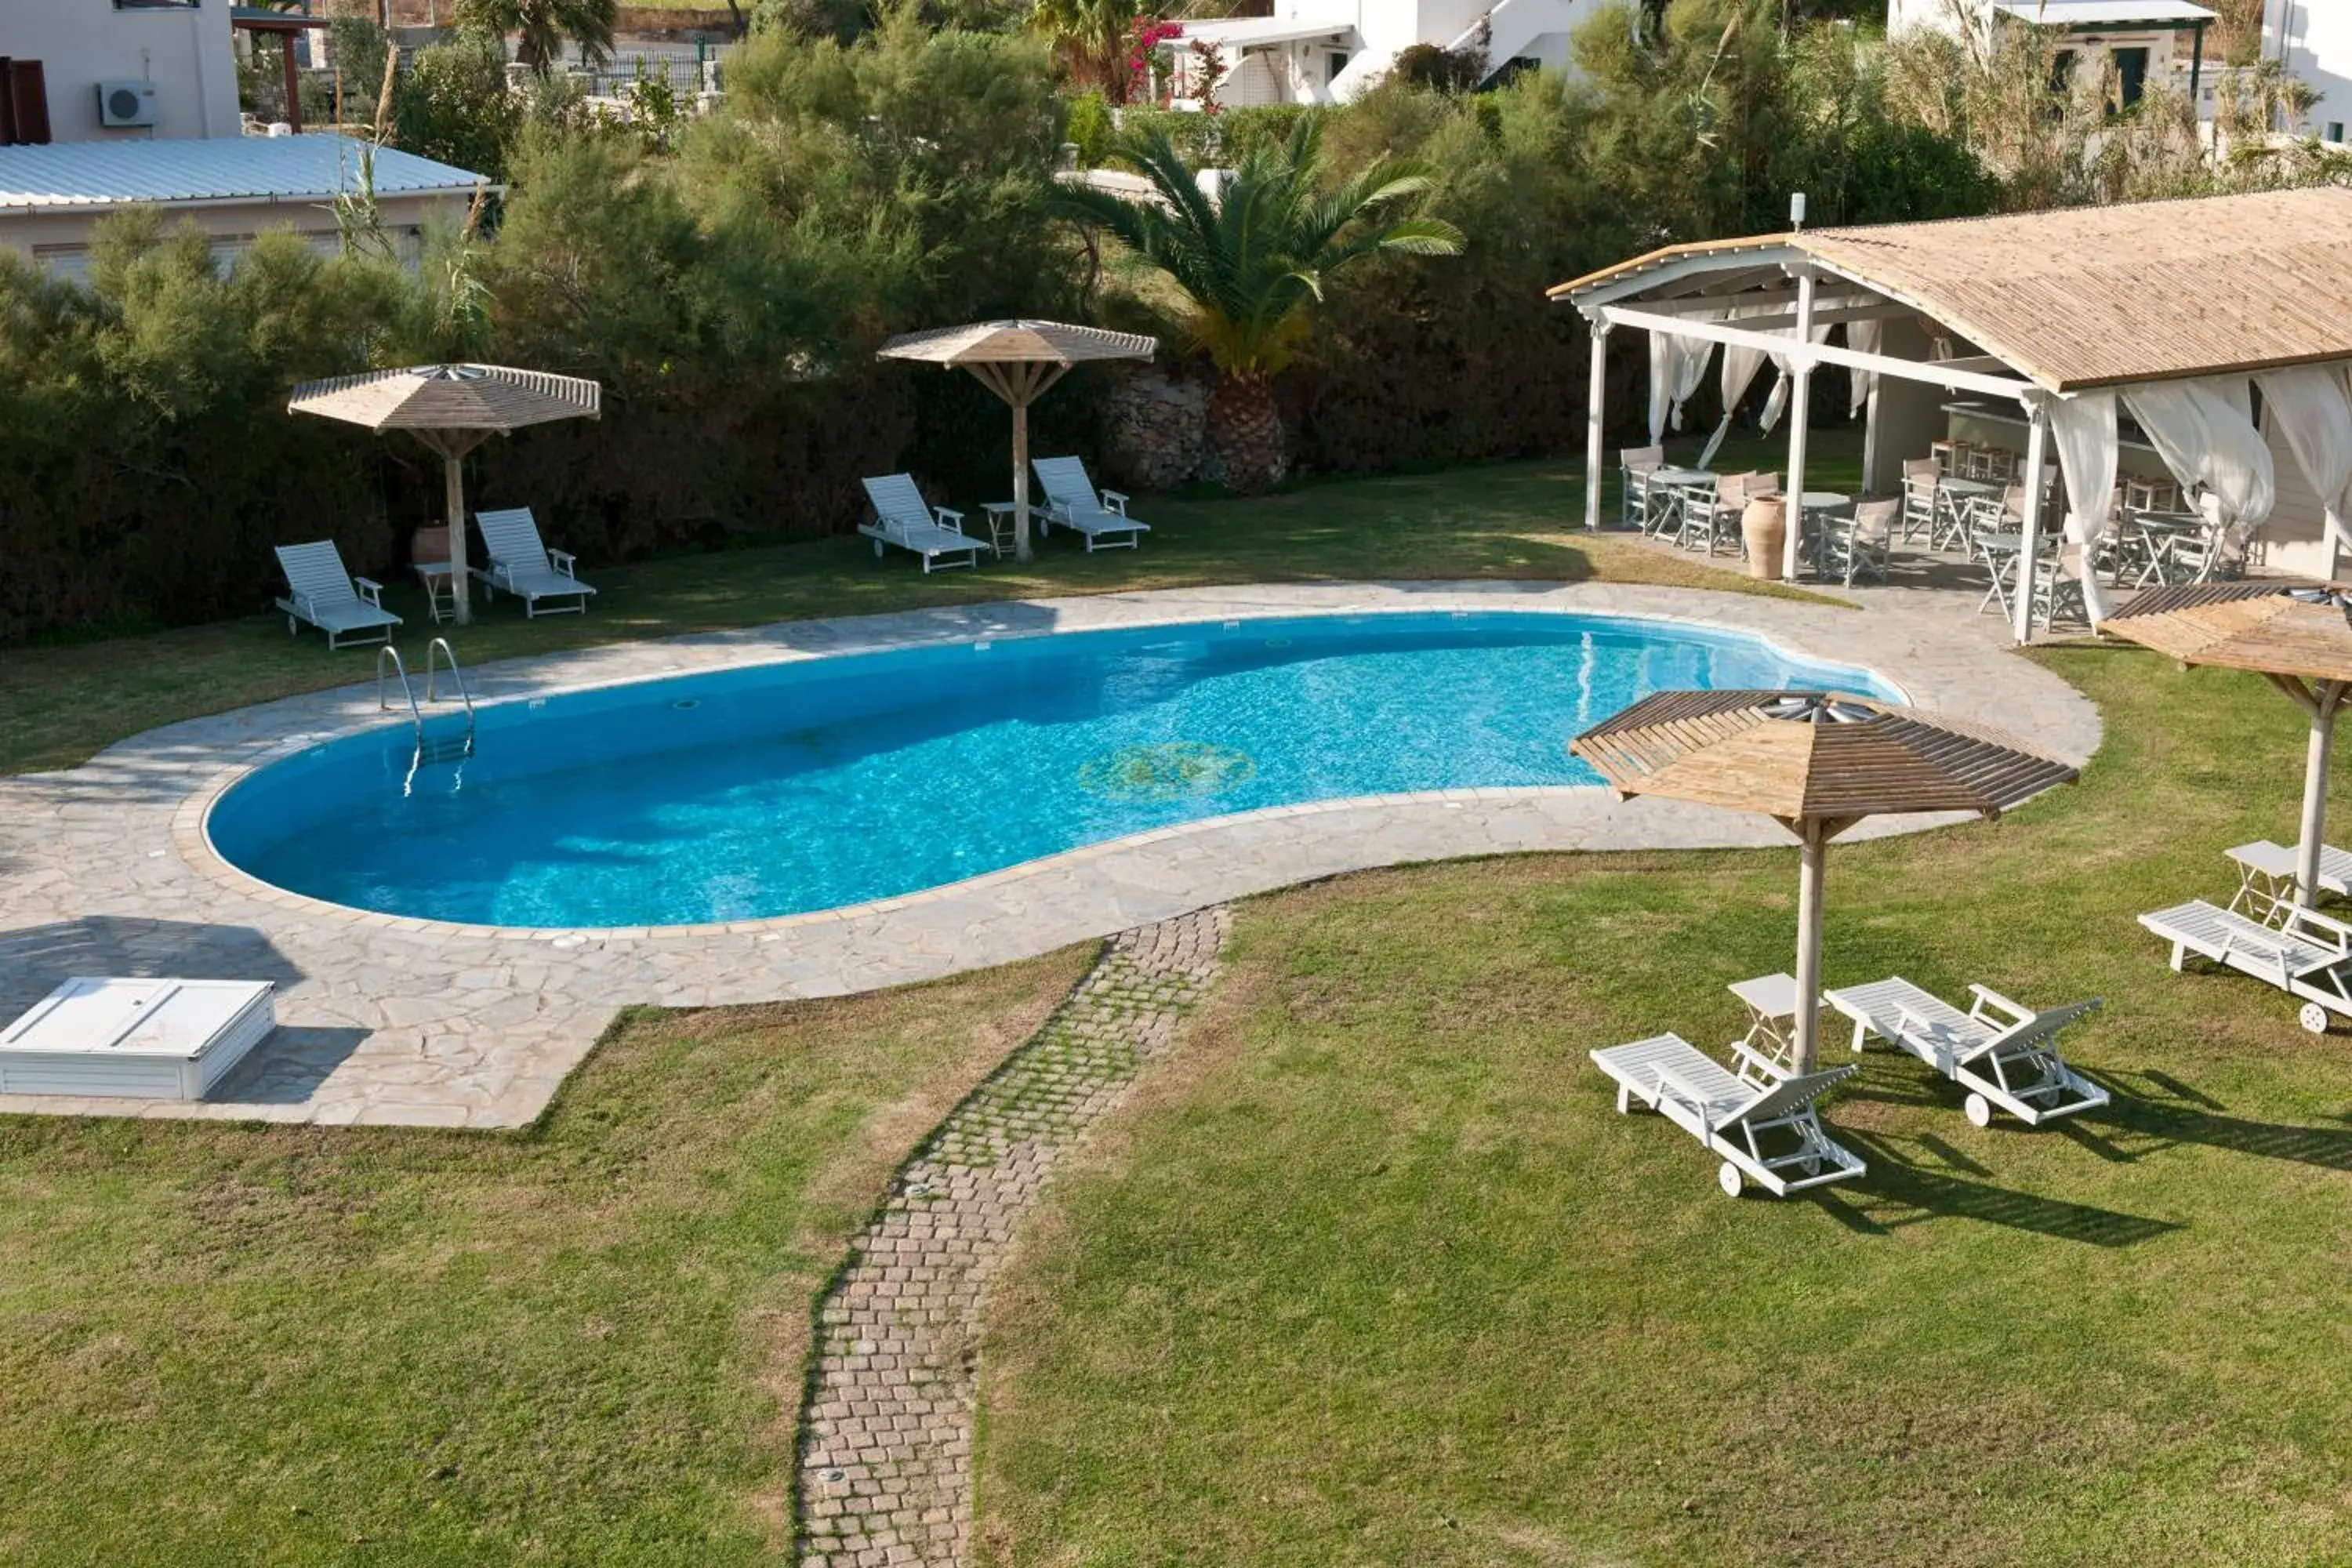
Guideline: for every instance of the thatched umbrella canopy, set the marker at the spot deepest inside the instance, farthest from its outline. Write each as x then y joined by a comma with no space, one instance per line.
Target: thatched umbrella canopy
1818,763
452,408
2296,636
1018,360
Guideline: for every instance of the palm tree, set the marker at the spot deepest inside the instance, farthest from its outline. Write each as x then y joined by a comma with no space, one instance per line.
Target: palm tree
1089,37
543,26
1252,261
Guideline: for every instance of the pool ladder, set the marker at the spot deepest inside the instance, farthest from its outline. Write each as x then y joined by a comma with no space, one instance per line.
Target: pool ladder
430,748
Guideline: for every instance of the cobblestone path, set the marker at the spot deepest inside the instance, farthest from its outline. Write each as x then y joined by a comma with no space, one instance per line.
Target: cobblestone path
886,1469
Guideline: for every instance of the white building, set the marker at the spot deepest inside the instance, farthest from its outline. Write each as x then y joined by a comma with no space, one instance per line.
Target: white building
2312,39
106,104
177,55
2147,41
1324,51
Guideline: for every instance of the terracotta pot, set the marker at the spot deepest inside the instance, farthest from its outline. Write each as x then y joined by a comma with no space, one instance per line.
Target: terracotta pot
428,546
1765,526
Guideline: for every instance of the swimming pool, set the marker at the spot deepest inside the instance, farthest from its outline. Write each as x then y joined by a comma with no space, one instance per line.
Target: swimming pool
785,788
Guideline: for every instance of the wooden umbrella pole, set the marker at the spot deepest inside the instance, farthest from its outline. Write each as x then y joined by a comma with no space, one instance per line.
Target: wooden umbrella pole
461,601
2327,698
1812,855
1020,550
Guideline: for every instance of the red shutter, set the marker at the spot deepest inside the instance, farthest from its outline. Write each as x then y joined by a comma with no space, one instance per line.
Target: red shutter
30,108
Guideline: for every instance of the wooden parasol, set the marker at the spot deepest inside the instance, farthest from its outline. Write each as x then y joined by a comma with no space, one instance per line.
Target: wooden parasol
452,408
1818,763
1018,360
2297,636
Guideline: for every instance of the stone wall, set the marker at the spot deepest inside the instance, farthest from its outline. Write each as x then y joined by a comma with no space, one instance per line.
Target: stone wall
1155,427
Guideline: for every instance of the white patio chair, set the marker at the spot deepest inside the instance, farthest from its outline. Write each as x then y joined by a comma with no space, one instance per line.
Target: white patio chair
1634,467
524,566
2058,587
901,517
2003,1054
1072,502
321,591
1862,545
2305,954
1921,479
1711,510
1767,1133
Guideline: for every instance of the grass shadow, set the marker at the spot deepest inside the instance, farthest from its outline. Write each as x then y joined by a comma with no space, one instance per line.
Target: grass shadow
1898,1193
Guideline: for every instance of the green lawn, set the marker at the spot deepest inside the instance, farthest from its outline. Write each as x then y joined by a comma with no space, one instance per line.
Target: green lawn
61,703
1373,1272
582,1344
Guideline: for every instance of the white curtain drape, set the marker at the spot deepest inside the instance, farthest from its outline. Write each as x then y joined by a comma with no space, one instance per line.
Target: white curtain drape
2309,406
1676,367
2084,426
2204,431
1777,404
1735,375
1863,338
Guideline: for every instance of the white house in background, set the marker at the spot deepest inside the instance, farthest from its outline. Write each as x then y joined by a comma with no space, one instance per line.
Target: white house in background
2313,40
108,104
1326,51
63,57
2148,41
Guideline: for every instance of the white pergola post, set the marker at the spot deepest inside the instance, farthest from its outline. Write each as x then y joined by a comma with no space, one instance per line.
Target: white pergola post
1801,399
2037,446
1595,405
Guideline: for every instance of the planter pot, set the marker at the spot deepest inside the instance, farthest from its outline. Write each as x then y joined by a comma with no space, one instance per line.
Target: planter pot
1765,526
428,546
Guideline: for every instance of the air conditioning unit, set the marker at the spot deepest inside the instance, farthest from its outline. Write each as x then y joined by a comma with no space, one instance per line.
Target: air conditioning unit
126,105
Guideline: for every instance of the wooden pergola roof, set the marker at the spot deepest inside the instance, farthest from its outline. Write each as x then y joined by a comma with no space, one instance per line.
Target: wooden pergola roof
2074,299
1811,755
449,398
2279,629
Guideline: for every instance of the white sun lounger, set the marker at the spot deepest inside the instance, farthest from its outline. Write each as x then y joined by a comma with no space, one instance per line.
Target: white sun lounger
1072,502
2266,877
524,566
2003,1054
1738,1120
143,1039
2306,954
901,517
321,593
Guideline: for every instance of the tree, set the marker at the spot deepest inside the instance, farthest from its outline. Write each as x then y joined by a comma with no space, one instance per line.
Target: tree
1090,40
543,26
1252,262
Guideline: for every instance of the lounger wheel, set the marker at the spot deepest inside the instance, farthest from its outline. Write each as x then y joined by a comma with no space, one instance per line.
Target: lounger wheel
877,550
1979,1110
2313,1017
1727,1176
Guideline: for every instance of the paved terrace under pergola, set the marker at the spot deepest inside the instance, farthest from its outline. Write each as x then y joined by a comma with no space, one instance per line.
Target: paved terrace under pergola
2221,325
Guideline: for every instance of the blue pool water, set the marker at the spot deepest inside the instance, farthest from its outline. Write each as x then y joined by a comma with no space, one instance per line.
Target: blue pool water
764,792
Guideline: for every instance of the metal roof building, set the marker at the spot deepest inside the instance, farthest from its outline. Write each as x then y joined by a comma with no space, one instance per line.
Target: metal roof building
235,187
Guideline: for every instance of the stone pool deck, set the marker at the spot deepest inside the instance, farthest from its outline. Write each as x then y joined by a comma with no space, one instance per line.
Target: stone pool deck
104,869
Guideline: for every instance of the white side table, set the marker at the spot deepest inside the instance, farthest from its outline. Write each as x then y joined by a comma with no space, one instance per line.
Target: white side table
439,578
1768,1051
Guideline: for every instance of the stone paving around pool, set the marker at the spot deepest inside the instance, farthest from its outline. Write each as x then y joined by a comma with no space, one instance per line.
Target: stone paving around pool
104,869
886,1455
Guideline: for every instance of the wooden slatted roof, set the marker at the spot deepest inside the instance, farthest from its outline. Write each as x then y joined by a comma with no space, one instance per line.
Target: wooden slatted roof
1018,342
2297,630
1800,755
449,398
2089,297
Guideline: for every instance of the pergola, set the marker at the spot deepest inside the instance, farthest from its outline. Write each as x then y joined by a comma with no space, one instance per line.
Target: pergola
2172,309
